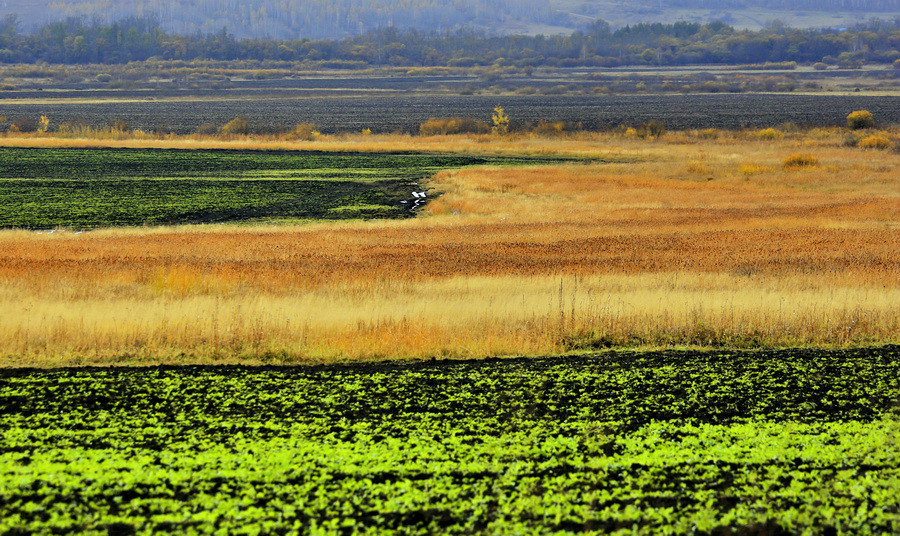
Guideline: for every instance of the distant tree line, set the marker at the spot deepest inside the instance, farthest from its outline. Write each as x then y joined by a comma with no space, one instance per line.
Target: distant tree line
77,41
291,18
336,19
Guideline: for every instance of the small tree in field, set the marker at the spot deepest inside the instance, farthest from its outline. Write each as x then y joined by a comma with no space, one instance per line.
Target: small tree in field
654,129
860,119
501,121
43,124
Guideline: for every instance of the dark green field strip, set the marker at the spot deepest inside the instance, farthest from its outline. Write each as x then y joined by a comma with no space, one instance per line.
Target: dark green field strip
778,442
20,163
88,204
89,188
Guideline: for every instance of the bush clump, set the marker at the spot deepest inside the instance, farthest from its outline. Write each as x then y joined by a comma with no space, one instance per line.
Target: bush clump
443,126
239,126
647,131
555,128
749,169
769,134
654,129
860,119
305,132
819,66
852,139
24,124
207,129
800,160
875,141
549,128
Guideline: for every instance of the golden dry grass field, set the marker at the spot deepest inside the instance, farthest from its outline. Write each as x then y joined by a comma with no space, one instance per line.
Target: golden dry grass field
693,239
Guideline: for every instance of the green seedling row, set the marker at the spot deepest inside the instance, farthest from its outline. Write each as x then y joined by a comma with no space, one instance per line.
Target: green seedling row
766,442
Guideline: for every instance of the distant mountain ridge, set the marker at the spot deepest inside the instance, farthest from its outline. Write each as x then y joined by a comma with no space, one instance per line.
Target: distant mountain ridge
292,19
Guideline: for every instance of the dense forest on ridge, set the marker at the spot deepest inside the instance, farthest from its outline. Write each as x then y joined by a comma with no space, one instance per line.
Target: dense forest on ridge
76,41
336,19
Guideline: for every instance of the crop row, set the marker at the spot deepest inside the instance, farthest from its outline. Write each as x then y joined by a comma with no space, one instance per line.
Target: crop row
677,442
406,111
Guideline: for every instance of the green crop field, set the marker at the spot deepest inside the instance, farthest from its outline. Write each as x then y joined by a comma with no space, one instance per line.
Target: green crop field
766,442
89,188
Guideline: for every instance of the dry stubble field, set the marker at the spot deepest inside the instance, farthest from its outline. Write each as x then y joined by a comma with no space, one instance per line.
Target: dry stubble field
680,241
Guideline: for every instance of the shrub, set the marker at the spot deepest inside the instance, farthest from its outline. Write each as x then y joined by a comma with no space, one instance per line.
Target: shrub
860,119
819,66
443,126
24,124
650,130
800,160
849,62
104,78
238,126
207,129
709,134
547,128
653,129
819,133
750,169
555,128
73,128
769,134
305,132
851,139
875,142
897,64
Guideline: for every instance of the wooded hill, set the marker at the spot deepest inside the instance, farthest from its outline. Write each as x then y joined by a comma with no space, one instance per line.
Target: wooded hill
333,19
288,18
644,44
